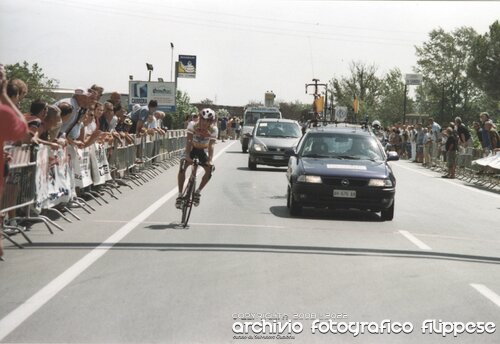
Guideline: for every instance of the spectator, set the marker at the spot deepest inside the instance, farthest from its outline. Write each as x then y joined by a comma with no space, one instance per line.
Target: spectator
435,131
51,126
160,115
464,136
114,98
16,91
238,128
13,128
485,137
494,138
451,153
79,103
479,134
108,120
223,129
412,136
427,146
442,145
140,116
38,111
98,90
420,143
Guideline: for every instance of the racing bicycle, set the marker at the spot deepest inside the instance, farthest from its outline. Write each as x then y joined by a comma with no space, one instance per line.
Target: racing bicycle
188,194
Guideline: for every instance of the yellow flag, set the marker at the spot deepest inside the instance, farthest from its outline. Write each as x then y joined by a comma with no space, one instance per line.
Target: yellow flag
355,104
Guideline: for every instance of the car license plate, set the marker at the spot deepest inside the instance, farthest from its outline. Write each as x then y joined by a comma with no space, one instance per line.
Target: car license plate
277,157
344,193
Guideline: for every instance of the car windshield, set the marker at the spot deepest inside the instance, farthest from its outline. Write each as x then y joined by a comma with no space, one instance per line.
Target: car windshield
278,129
340,146
252,117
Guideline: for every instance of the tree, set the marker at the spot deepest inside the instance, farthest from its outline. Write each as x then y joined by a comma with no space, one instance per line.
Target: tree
183,109
484,66
390,99
362,83
293,110
443,60
39,86
207,101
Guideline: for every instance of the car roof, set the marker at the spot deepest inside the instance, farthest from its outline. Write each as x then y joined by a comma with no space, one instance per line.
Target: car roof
284,120
342,128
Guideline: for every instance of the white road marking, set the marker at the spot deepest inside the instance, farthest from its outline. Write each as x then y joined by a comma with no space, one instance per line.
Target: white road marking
414,240
16,317
492,194
487,292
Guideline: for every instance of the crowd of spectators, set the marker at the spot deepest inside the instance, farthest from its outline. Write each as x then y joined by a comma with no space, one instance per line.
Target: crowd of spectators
80,120
429,142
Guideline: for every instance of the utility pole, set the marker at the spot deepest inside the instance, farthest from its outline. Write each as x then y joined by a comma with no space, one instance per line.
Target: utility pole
318,102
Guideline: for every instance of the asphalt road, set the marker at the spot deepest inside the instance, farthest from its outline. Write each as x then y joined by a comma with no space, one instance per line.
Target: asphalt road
129,274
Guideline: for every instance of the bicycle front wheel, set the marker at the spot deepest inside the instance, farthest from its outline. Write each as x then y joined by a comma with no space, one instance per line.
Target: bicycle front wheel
187,203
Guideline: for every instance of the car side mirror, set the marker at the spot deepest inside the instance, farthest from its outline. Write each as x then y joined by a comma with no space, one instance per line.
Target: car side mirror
392,156
290,152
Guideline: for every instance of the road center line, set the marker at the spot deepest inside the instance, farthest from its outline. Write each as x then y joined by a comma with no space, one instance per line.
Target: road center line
414,240
16,317
487,292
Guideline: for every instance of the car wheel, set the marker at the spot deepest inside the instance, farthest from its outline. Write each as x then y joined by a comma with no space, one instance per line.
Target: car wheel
251,165
388,214
288,197
295,207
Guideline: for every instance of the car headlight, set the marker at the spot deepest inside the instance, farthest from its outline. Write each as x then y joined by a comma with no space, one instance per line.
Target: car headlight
309,179
259,147
380,183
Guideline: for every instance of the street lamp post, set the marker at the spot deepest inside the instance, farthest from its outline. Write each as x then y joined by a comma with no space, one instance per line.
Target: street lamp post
149,66
171,62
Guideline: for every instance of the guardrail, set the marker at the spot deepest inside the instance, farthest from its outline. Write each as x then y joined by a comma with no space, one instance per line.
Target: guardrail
43,181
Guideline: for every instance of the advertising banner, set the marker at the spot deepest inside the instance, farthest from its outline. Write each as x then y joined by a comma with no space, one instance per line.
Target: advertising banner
53,177
186,66
81,166
99,164
141,92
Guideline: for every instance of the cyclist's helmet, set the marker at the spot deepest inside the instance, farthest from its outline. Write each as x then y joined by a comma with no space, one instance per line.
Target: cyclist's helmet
208,114
376,124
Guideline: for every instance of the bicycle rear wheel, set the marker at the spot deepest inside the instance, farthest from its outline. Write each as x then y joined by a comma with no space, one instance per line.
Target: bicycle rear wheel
187,203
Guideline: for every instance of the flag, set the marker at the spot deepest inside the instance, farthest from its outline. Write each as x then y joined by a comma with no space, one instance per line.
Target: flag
355,104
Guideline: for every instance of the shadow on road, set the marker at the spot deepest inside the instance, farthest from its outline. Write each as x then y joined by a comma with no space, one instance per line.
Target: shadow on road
273,249
262,169
165,226
336,215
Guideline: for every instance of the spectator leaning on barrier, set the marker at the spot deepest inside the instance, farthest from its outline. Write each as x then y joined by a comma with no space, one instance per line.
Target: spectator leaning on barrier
13,128
493,136
79,103
99,91
16,91
140,116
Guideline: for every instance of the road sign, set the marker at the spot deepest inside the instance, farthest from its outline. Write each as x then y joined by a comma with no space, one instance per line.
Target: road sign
340,113
413,79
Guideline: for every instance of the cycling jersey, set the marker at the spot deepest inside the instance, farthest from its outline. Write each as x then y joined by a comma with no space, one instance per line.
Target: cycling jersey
202,137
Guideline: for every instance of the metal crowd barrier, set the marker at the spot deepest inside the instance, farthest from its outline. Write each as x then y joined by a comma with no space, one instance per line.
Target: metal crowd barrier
42,180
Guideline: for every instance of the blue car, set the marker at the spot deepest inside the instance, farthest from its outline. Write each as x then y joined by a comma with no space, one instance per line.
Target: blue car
341,166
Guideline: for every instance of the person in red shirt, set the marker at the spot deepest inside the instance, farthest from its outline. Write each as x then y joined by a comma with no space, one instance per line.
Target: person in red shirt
13,127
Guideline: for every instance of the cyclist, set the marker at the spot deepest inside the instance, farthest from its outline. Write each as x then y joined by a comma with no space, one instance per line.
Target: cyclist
201,137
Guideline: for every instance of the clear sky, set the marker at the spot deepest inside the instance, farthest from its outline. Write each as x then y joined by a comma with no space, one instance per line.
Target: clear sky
243,48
